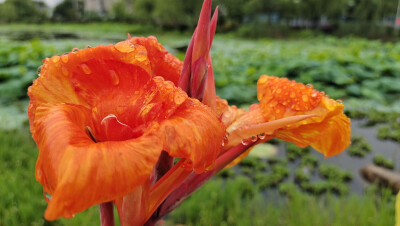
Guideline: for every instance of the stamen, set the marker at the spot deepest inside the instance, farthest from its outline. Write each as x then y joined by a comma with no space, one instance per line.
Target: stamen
89,132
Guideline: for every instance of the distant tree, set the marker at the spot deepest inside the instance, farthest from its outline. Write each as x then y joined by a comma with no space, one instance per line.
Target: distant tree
68,10
21,11
143,10
120,12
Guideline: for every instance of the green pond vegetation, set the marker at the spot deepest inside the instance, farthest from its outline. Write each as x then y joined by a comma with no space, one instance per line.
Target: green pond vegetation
294,188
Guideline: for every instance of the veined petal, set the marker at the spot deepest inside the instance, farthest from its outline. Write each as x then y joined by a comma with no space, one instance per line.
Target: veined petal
79,173
228,113
162,63
328,132
57,82
194,132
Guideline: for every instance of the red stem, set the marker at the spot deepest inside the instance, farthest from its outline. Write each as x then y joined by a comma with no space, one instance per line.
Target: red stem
195,181
106,214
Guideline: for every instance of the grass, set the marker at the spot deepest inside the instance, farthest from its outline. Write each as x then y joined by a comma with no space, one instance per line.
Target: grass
236,202
22,201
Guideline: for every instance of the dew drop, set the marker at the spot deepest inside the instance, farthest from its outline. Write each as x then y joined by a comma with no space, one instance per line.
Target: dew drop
64,71
39,70
179,98
88,47
64,58
114,77
56,59
304,98
339,101
263,80
86,69
254,138
262,136
141,56
310,85
246,142
48,196
225,140
314,94
74,50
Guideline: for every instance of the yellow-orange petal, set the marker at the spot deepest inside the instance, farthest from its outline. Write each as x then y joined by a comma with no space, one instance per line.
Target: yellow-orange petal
330,137
195,133
328,132
228,113
79,173
162,63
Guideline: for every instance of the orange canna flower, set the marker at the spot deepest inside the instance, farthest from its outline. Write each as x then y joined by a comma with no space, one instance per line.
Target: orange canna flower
108,121
101,117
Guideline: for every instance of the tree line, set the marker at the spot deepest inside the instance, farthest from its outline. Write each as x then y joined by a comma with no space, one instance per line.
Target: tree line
183,14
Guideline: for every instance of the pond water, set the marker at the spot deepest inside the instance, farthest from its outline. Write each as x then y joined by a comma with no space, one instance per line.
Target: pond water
388,149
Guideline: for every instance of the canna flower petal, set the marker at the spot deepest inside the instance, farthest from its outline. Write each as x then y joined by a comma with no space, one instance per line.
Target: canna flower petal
329,132
101,119
162,63
78,173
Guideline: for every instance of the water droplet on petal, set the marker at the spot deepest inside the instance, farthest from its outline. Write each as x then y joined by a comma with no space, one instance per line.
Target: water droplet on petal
64,71
179,98
141,56
86,69
254,138
114,77
322,92
263,79
304,98
74,50
55,59
246,142
48,196
339,101
310,85
262,136
64,58
88,47
314,94
39,70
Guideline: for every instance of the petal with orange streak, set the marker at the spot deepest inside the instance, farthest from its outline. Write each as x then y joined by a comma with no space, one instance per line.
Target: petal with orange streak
329,132
163,63
193,132
228,113
330,137
56,83
79,173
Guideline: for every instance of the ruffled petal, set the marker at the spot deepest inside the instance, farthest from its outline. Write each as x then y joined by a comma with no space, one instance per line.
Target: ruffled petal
328,132
330,137
61,76
228,113
79,173
195,133
163,63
